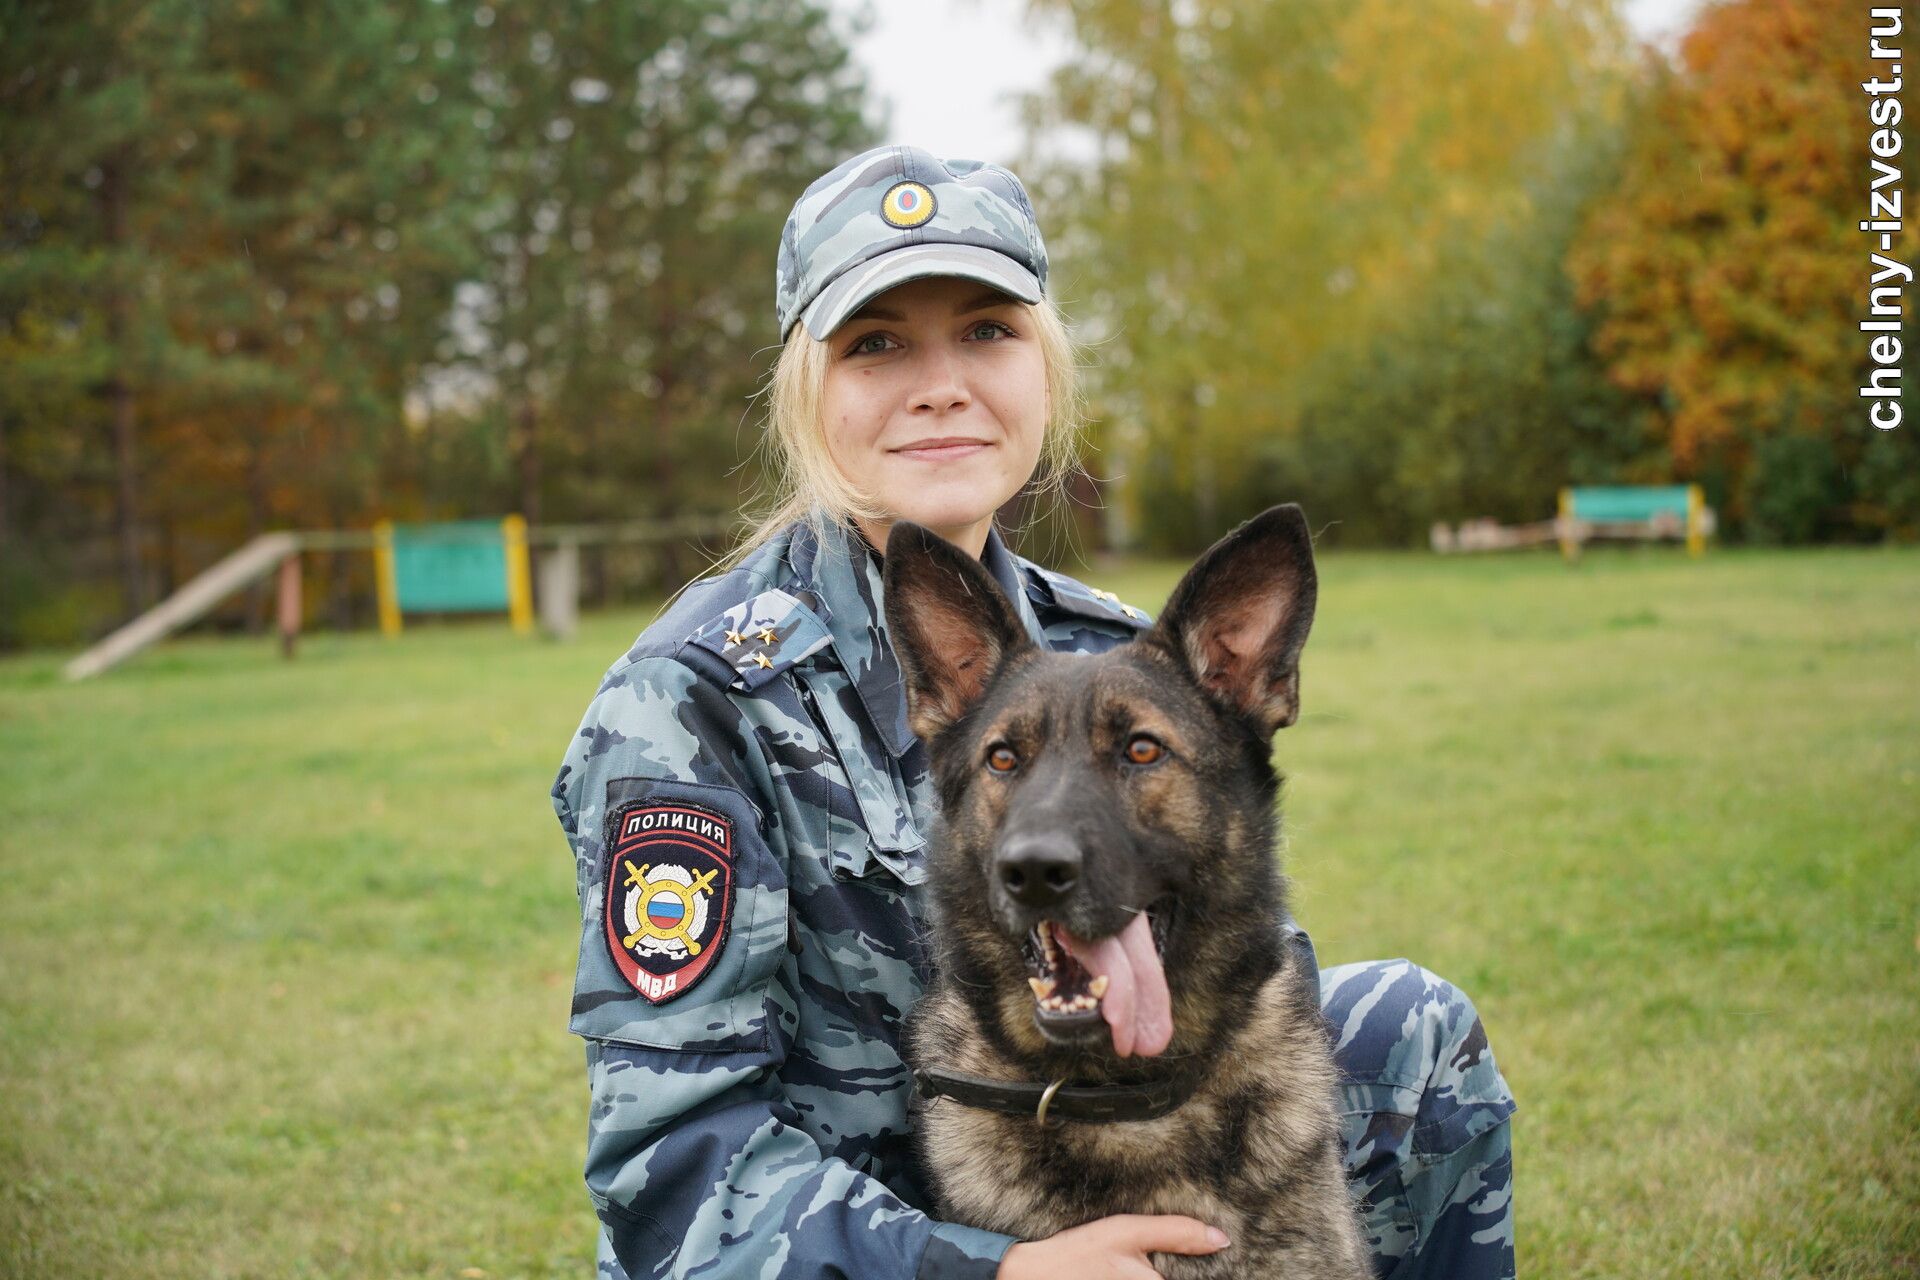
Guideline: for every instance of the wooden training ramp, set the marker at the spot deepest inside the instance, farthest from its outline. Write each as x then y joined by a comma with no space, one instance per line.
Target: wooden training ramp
450,567
241,569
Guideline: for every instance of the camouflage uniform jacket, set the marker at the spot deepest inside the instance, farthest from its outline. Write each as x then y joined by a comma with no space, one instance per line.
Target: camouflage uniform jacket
746,808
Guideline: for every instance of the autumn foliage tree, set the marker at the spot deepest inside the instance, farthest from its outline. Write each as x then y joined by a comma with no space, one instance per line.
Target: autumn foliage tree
1728,274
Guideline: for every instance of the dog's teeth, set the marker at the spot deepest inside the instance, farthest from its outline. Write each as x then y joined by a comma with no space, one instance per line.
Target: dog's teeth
1042,987
1098,987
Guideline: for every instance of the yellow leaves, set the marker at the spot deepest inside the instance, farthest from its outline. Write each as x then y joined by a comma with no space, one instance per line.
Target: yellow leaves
1317,179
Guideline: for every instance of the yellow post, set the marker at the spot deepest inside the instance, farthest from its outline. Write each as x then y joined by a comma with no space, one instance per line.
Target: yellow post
1696,520
386,581
1568,547
513,531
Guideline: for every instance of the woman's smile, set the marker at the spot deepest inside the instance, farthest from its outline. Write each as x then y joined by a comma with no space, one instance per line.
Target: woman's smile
942,448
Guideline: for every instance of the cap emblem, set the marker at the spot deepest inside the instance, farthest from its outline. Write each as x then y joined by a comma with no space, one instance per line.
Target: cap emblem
907,204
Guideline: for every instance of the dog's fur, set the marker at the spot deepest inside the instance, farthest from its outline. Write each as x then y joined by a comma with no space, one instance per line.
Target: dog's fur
1255,1150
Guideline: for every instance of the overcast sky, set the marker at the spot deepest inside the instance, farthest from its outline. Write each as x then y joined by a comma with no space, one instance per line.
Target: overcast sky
952,69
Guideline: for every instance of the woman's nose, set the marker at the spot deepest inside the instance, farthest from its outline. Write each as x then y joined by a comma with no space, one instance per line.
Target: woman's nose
942,383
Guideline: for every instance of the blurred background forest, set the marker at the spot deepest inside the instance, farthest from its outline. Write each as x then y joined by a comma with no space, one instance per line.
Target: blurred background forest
268,264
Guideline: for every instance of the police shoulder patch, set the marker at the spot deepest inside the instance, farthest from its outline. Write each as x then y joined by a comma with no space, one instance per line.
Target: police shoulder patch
669,893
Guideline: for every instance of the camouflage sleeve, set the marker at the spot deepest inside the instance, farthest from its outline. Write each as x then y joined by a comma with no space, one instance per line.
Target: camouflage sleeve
1425,1119
697,1160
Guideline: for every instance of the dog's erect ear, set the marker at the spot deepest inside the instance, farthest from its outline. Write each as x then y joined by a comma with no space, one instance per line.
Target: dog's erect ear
951,626
1240,617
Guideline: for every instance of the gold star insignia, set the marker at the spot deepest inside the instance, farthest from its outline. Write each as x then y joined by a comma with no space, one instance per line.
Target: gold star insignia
761,658
767,636
735,638
1130,611
1108,596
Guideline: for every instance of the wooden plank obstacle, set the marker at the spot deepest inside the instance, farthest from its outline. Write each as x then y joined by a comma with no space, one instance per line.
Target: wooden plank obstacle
457,567
235,573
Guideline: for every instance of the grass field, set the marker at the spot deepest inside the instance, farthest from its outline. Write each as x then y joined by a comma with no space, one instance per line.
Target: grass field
287,947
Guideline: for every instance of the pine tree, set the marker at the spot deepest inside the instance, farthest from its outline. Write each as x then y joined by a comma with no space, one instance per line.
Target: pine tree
644,159
91,96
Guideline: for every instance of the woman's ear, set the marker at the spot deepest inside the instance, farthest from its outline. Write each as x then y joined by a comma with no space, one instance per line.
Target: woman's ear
951,626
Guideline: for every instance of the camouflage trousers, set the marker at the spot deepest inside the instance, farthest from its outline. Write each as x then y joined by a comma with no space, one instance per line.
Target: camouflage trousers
1423,1119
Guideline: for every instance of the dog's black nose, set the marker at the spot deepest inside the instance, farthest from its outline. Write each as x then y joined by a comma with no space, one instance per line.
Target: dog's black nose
1038,870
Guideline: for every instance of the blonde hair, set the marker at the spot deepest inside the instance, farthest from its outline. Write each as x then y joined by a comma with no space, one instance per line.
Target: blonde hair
807,485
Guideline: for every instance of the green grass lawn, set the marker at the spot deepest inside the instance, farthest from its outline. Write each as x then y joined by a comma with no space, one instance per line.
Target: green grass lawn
287,946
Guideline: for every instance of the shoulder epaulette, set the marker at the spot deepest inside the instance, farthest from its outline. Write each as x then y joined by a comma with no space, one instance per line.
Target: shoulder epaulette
1047,588
762,637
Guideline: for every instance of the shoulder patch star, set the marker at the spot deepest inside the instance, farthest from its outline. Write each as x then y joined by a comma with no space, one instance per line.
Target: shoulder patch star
762,659
735,638
767,636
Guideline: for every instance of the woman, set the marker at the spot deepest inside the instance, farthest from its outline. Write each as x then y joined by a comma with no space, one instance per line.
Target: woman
745,805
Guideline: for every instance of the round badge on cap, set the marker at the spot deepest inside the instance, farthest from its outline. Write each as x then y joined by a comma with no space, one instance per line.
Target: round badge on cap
907,204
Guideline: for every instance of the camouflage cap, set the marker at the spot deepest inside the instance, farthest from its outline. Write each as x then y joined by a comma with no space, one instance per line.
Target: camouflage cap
895,214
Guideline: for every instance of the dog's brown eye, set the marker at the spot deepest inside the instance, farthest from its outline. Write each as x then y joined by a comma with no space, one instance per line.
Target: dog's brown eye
1144,750
1002,759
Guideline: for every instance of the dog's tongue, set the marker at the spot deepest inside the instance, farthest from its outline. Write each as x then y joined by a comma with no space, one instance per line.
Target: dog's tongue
1136,1005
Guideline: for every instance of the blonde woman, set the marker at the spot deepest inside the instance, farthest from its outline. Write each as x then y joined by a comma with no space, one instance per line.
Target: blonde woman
746,803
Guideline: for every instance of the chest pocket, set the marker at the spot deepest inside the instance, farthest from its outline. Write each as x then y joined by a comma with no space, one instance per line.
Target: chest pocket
892,814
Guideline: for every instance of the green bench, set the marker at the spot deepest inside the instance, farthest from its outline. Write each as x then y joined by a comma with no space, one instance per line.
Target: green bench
1633,511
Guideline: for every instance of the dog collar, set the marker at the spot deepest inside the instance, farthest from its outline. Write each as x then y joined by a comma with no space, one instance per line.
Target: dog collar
1089,1104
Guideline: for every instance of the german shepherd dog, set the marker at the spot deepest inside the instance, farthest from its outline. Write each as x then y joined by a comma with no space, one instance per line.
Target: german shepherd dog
1117,1024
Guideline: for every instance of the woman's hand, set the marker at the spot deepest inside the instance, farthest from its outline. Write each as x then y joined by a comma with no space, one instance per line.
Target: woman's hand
1113,1248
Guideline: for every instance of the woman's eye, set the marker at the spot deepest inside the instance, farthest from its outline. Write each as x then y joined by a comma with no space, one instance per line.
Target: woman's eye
1144,750
860,348
1002,759
991,326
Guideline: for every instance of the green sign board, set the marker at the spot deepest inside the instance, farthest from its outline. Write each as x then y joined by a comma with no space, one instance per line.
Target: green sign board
1629,502
449,568
462,566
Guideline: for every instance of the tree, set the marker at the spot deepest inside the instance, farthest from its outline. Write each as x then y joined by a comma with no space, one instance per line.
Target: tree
89,100
271,264
1481,398
1259,209
1727,271
644,158
229,229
